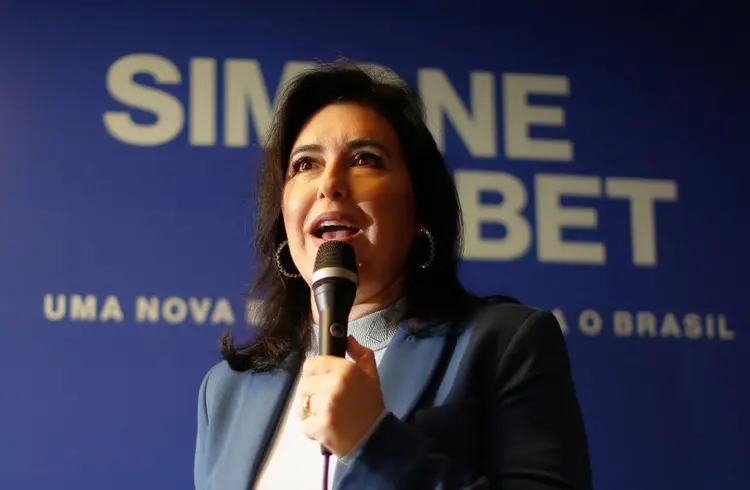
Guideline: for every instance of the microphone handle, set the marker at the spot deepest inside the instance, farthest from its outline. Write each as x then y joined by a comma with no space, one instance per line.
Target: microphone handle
333,332
334,298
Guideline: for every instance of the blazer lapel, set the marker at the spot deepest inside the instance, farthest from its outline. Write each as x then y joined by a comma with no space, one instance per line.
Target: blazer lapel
405,370
265,416
408,366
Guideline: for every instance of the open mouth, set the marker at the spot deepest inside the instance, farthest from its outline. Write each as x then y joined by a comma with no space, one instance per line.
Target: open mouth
335,231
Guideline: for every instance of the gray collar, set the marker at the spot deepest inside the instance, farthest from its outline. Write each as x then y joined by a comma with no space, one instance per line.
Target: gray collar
374,330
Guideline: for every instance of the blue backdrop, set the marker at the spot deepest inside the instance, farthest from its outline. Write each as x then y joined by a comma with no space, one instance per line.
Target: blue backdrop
128,134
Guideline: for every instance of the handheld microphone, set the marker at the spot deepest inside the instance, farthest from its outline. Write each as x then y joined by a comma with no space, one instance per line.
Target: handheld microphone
334,285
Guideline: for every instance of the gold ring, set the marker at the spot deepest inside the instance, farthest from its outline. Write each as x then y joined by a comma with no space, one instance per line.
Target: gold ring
306,406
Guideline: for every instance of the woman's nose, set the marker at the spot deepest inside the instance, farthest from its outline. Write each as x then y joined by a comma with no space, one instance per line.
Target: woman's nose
334,184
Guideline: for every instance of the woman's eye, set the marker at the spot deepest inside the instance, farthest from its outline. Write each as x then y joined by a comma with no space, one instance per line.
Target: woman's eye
362,159
302,164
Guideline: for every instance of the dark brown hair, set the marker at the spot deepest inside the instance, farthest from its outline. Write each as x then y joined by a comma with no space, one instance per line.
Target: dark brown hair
431,294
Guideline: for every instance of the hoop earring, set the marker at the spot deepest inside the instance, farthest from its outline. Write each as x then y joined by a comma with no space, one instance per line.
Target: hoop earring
280,267
431,258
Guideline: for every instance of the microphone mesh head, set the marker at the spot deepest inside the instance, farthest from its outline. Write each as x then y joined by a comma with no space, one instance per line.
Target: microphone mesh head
336,254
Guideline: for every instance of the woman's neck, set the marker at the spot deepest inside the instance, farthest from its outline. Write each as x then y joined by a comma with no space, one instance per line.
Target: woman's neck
371,303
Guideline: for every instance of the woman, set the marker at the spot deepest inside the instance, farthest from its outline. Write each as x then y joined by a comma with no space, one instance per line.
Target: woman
440,389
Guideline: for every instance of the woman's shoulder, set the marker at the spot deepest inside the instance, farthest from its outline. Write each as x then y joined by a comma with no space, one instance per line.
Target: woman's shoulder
221,379
222,385
508,323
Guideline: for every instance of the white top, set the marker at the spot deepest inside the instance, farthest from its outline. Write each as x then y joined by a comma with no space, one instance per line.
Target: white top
294,461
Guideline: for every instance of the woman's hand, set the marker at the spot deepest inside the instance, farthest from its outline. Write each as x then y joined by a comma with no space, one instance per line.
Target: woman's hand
345,399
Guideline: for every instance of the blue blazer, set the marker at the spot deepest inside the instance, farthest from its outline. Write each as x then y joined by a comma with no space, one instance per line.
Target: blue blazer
486,403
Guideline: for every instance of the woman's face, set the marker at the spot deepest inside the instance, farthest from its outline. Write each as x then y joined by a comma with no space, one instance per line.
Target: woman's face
347,181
